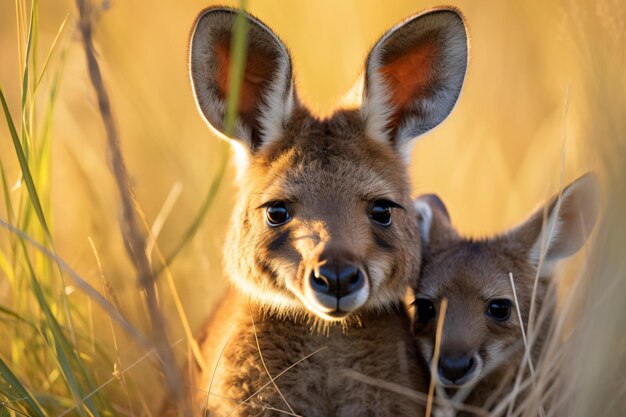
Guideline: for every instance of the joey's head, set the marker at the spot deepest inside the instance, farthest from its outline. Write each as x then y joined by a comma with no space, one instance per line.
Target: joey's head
324,223
481,328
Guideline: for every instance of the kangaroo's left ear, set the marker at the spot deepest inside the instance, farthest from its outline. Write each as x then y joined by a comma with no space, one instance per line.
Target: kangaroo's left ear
267,97
562,226
414,75
435,228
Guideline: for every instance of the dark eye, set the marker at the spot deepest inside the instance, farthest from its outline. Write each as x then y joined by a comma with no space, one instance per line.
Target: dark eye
381,212
277,214
425,310
499,309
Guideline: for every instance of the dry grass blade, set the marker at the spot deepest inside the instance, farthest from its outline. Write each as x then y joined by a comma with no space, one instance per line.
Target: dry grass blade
549,228
527,350
6,406
107,382
273,379
419,397
217,364
81,283
281,411
435,360
258,346
111,298
162,216
132,229
194,226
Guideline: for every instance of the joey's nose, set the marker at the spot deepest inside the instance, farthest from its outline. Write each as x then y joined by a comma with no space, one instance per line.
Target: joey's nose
337,279
455,368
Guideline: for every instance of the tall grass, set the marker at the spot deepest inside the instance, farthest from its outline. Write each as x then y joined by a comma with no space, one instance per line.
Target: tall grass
47,336
52,338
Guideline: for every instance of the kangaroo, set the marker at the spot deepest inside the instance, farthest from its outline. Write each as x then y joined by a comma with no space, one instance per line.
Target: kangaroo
324,235
481,346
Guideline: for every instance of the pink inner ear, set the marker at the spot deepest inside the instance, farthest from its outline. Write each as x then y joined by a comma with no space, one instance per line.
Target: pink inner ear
409,75
258,69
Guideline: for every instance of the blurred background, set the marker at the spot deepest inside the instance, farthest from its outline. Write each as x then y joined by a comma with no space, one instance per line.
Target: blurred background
543,102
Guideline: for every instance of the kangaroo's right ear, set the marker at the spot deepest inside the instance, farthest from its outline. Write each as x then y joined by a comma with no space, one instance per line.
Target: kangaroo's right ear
434,221
562,226
267,93
413,77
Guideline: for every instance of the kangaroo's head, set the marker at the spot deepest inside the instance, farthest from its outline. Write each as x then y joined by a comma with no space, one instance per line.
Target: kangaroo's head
481,328
324,223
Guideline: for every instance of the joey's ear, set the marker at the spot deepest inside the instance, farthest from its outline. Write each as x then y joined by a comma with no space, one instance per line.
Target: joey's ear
414,75
562,226
267,93
434,222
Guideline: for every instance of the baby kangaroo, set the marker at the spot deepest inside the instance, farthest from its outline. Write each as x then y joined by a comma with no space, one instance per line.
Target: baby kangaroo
324,236
481,346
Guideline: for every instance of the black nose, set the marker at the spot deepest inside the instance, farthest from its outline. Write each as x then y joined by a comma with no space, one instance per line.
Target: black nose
455,367
337,279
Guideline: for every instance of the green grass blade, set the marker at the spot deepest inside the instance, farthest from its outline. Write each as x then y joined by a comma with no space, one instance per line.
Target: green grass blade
5,266
50,52
16,316
29,41
6,192
43,155
66,355
238,59
34,57
236,71
28,179
33,406
25,81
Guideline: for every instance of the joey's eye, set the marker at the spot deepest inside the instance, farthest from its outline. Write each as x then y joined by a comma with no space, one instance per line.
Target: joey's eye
499,309
277,214
380,212
425,310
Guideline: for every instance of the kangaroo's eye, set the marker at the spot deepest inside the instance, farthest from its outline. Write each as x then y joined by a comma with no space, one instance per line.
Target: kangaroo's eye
425,310
499,309
277,214
380,212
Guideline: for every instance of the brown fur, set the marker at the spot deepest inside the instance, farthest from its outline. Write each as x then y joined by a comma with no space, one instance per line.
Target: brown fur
328,174
331,173
470,273
376,341
380,347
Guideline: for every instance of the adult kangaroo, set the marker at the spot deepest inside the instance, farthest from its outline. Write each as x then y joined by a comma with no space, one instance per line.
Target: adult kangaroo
324,236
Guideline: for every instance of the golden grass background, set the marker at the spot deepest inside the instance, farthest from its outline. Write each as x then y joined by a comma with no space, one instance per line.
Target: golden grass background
543,102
